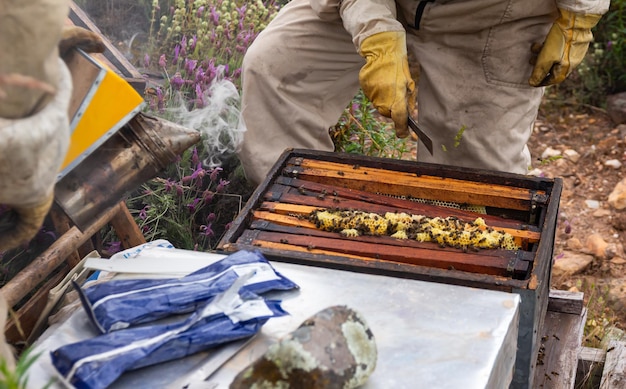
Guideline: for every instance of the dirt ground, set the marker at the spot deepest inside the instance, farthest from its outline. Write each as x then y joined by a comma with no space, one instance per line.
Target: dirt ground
590,133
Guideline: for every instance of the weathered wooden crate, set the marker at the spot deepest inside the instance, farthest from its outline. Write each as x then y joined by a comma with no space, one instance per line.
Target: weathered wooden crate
276,221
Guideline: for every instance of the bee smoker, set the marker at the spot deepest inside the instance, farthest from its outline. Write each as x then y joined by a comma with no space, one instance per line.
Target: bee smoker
132,156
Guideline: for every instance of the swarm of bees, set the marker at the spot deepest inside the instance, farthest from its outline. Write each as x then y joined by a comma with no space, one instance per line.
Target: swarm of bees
447,232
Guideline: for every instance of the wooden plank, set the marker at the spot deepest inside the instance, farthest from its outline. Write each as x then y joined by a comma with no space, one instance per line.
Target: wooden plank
408,184
590,364
339,198
468,262
125,228
614,372
426,180
45,264
566,302
27,315
557,361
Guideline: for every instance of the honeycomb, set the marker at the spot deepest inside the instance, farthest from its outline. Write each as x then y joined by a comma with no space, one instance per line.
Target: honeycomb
447,232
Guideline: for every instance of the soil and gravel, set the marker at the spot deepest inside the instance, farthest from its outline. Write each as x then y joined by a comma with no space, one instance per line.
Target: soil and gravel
591,150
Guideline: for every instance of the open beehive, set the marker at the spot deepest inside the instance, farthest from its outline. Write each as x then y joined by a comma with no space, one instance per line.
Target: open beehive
364,197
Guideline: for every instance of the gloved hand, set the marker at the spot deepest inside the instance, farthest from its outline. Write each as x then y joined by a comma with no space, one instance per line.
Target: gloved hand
386,79
564,48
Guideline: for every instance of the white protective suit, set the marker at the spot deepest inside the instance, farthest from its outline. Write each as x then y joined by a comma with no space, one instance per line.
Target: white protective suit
35,93
474,56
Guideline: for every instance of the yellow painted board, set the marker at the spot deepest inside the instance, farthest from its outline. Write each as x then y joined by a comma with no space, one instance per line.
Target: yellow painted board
108,105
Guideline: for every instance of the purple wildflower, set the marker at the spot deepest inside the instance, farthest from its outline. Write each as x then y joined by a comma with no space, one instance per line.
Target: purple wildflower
192,206
207,196
143,214
176,54
200,11
199,75
113,247
177,81
194,41
199,96
162,61
215,173
183,46
190,65
609,45
169,184
222,185
215,16
160,99
146,60
194,156
207,231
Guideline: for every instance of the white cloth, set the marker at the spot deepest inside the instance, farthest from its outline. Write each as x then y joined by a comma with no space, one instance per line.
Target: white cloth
32,149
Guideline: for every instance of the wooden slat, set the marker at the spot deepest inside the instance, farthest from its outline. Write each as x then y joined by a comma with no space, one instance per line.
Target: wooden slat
590,364
126,229
27,279
407,184
27,315
566,302
469,262
341,198
558,356
614,372
305,210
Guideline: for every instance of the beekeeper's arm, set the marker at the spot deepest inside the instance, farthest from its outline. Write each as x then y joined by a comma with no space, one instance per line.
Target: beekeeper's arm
381,40
567,42
32,148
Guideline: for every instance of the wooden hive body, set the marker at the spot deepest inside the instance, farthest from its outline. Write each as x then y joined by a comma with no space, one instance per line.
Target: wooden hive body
276,220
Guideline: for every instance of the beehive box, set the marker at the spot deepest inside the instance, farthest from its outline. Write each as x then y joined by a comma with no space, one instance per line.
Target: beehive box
279,220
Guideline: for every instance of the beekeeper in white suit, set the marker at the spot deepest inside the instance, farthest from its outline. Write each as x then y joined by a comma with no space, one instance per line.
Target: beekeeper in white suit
35,92
476,72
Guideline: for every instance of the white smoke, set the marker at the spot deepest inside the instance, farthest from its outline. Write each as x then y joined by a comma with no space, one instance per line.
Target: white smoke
218,121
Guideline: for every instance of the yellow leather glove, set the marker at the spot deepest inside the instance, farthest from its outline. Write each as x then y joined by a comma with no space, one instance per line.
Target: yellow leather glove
385,78
564,48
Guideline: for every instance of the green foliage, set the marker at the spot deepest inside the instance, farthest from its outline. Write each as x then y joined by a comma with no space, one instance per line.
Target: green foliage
221,30
17,378
362,130
182,206
603,70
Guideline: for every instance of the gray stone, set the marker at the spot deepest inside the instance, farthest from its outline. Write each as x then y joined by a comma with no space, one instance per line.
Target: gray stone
571,263
616,107
617,293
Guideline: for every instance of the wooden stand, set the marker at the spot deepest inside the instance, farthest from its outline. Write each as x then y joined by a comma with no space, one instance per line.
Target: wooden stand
563,363
46,271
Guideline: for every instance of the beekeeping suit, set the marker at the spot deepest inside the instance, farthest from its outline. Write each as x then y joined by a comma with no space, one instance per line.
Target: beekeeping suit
35,91
475,73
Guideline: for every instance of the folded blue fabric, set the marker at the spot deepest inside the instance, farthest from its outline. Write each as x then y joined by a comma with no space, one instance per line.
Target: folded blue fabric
96,363
118,304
